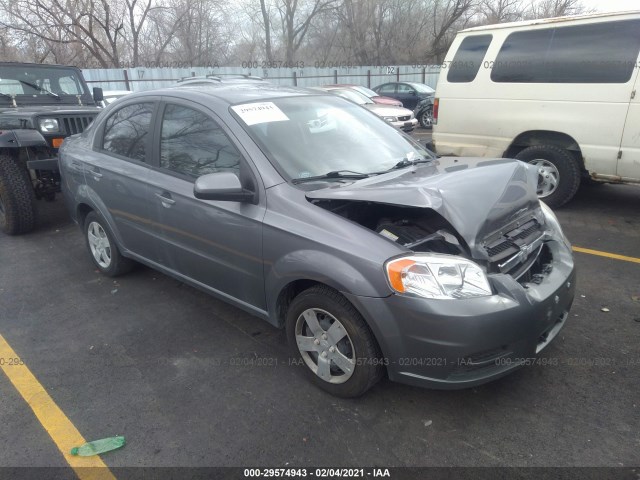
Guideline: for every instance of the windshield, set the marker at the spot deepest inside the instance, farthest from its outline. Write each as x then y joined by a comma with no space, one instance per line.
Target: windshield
40,83
421,88
313,135
366,91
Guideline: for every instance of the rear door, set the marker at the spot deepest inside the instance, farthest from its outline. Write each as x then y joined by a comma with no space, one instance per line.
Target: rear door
217,244
629,162
407,95
116,174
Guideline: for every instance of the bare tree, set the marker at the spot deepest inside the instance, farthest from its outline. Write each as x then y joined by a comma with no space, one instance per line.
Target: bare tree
555,8
296,17
500,11
448,15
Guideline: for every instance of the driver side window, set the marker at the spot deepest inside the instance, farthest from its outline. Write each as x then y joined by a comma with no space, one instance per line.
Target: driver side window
388,88
193,144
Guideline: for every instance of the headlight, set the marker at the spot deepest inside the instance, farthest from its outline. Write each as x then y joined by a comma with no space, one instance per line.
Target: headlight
49,125
552,223
437,276
390,119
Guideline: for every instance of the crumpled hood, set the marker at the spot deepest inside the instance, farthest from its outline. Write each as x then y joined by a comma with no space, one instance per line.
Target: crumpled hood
477,196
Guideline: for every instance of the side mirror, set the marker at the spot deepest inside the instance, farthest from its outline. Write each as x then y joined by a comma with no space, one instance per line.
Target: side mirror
413,93
98,94
223,186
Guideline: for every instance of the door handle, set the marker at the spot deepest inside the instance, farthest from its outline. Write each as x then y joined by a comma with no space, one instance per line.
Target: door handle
95,172
167,201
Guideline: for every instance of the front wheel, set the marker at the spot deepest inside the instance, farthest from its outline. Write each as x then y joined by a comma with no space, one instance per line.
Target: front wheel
426,118
338,350
558,173
17,200
103,249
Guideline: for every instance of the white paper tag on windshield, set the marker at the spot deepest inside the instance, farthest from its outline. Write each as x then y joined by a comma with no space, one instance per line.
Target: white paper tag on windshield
263,112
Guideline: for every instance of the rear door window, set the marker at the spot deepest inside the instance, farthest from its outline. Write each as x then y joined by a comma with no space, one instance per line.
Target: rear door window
595,53
126,131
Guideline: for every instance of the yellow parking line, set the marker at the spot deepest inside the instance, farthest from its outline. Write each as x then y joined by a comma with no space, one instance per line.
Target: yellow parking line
55,422
606,254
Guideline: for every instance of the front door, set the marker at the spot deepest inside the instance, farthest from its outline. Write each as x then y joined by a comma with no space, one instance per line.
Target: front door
218,244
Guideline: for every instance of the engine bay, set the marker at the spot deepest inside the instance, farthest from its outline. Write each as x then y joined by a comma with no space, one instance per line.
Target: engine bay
418,229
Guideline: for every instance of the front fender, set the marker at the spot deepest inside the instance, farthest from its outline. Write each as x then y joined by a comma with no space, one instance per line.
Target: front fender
22,138
320,267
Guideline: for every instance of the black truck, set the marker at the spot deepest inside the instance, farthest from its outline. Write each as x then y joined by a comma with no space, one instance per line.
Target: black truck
40,105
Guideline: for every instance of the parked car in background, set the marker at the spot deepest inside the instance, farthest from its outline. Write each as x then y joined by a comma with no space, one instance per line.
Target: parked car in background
399,117
304,209
409,93
562,94
374,96
424,112
110,96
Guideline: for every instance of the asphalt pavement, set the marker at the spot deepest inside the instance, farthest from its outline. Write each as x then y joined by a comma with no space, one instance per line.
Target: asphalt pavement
192,381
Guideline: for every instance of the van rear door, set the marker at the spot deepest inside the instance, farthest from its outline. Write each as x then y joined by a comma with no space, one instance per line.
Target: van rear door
629,162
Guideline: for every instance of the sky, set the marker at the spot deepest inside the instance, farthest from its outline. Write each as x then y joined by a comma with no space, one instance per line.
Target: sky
613,5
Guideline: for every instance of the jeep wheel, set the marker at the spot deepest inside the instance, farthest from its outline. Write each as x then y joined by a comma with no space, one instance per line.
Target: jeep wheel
17,200
103,249
558,173
339,352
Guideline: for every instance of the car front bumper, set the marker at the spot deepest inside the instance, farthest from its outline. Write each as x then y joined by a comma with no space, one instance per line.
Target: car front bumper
407,125
452,344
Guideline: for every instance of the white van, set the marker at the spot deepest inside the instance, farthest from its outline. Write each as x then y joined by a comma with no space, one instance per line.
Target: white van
561,93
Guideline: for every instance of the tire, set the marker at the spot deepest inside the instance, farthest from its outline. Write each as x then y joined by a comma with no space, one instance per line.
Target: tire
336,332
17,199
103,249
426,118
558,175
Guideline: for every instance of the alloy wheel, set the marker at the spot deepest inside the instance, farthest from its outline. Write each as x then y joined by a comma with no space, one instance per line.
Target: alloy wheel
325,345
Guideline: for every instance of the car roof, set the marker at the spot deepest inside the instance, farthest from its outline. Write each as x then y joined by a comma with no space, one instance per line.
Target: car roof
232,92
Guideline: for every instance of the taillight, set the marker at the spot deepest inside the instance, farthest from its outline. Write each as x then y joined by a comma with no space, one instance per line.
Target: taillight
436,104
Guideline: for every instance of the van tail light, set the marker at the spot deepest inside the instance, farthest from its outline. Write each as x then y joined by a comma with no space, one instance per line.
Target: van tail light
436,104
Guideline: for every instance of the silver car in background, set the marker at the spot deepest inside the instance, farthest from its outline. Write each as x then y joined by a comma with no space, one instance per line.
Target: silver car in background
400,117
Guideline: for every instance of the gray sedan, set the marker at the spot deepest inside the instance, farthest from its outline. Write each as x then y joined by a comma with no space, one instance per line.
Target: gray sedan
309,212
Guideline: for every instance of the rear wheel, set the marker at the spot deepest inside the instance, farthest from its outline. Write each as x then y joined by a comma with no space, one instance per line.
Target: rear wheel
103,249
339,352
426,118
558,173
17,200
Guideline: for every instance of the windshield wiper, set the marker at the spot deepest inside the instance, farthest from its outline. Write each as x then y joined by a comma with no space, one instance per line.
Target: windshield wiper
40,89
405,162
338,174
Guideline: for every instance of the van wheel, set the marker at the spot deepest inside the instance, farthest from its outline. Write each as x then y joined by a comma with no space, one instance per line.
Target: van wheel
339,352
558,173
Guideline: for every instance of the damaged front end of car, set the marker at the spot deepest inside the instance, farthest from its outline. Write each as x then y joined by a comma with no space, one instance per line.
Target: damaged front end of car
484,274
